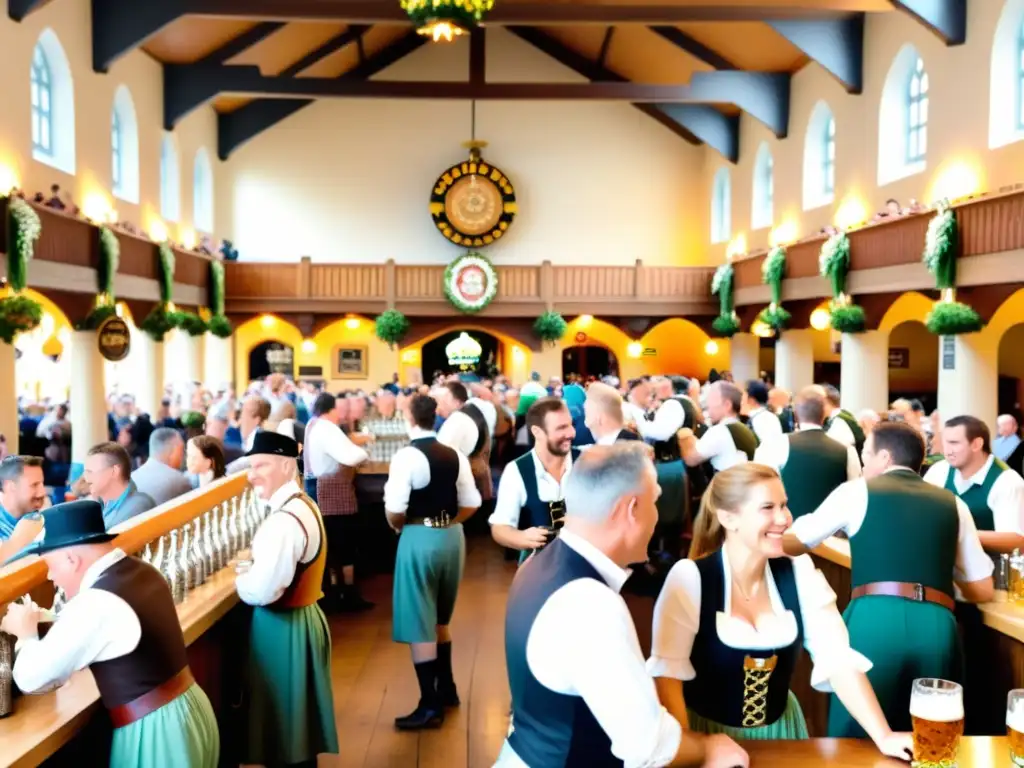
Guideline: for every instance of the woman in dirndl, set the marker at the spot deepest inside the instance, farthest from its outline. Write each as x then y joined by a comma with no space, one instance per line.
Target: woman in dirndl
730,622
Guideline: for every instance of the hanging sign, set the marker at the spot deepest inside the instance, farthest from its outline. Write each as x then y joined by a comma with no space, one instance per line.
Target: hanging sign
470,282
114,339
473,203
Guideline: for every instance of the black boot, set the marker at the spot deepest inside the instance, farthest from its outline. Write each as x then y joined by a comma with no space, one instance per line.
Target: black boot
446,691
428,714
350,601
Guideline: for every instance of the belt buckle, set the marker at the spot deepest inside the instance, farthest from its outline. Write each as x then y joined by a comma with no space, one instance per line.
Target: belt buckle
919,592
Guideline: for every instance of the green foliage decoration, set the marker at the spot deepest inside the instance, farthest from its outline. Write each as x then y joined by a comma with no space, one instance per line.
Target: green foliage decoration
465,14
95,318
951,318
166,273
948,316
550,327
727,324
18,312
220,326
391,326
191,323
773,269
159,322
848,318
834,263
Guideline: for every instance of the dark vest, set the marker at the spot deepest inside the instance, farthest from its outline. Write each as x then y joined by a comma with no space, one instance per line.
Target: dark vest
160,654
668,450
483,432
743,438
549,730
787,419
441,493
536,513
728,682
910,533
816,466
976,497
625,435
858,433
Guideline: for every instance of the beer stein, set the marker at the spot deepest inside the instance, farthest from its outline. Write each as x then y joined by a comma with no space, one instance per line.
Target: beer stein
175,578
208,548
159,558
219,561
937,717
1015,725
234,532
185,564
196,555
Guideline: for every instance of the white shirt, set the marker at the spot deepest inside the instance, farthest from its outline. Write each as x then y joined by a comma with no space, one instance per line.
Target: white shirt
329,447
775,452
677,620
847,506
459,432
278,547
1005,498
840,430
512,493
95,625
583,643
766,425
410,471
668,420
717,446
533,389
488,411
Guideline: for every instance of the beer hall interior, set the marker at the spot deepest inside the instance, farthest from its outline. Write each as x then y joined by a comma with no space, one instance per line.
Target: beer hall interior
204,203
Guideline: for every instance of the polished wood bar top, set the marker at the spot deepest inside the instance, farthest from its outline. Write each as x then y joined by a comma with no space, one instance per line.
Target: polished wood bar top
41,724
373,468
975,752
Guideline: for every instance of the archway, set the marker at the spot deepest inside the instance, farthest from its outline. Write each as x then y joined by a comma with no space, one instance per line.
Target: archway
588,361
474,352
42,367
914,364
255,331
1011,372
679,346
269,357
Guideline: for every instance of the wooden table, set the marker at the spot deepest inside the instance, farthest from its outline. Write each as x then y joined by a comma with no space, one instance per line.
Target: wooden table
975,752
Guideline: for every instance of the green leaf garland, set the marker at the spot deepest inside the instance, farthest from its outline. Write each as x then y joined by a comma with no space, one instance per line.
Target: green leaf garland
218,325
191,323
727,324
159,322
550,327
391,327
948,316
166,273
773,270
471,260
18,312
834,263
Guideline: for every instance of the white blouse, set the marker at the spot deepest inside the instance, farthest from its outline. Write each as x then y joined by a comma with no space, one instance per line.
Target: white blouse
677,619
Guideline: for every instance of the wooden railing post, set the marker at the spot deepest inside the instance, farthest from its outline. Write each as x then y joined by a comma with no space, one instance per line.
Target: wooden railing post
547,285
304,278
638,278
390,284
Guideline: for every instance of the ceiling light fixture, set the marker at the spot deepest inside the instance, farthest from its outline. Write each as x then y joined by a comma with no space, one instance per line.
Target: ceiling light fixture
446,19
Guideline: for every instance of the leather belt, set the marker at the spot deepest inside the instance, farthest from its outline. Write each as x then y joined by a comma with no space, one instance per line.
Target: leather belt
441,521
147,703
909,591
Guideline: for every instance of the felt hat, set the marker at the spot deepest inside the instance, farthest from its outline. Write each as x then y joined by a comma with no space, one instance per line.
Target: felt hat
273,444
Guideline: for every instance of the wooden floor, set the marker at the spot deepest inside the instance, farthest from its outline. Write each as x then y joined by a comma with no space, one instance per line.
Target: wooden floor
374,680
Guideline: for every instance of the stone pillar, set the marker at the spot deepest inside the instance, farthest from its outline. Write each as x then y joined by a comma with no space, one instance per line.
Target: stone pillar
8,397
744,358
150,390
794,360
969,377
865,371
192,368
88,400
217,362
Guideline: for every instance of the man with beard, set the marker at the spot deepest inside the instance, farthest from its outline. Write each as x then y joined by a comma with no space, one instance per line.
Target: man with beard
530,504
21,483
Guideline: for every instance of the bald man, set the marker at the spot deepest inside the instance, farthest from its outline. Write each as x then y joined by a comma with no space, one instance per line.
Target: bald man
604,415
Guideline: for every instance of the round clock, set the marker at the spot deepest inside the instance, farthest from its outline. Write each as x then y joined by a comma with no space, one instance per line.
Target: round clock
473,203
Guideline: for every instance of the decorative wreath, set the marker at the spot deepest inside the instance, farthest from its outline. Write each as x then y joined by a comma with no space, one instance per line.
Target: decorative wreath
451,177
470,282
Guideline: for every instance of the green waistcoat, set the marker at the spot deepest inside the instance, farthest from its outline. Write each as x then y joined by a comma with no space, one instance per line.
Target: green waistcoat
816,466
851,422
743,438
909,534
976,496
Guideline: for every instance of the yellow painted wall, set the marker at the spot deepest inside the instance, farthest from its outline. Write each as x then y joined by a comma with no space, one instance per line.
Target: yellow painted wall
958,127
923,348
94,94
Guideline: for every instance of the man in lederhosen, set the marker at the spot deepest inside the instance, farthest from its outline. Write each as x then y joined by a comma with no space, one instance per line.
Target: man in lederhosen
530,506
909,544
810,463
727,442
332,459
840,423
429,493
291,707
466,430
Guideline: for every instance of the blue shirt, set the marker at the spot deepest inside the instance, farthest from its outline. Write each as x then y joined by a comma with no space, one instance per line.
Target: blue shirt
130,503
7,523
1003,447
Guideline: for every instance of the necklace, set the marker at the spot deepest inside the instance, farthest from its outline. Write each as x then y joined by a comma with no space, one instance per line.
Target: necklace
740,589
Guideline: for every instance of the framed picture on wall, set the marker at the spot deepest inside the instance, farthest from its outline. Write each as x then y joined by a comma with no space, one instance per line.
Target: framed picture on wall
350,362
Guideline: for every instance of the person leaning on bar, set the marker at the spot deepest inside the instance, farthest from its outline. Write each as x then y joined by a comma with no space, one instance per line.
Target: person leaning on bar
910,542
121,623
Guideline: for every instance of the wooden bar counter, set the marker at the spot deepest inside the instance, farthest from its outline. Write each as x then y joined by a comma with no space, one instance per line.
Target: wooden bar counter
64,724
975,752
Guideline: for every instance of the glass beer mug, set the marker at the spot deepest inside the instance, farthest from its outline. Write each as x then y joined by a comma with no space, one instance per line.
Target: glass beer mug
937,715
1015,726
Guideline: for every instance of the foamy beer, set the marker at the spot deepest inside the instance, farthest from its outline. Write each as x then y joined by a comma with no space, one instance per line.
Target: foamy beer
1015,726
937,714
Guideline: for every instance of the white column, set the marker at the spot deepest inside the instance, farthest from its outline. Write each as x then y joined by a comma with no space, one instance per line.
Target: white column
969,377
88,400
217,362
794,360
744,358
193,362
864,374
150,389
8,397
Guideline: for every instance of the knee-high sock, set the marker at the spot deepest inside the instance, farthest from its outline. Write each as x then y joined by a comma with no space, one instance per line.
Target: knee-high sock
445,679
426,674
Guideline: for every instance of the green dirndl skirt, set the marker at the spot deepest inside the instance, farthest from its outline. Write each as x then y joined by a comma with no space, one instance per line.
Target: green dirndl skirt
428,569
789,727
291,711
181,734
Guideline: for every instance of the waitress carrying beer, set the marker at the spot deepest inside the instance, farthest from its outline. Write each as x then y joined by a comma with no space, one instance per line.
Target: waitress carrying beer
730,621
909,543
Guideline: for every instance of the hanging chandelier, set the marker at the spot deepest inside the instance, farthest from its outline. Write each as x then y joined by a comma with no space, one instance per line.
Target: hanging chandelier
463,351
446,19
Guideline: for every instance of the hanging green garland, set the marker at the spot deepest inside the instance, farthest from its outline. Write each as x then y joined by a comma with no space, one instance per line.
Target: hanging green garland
163,318
106,269
218,325
191,323
550,327
948,317
391,327
834,263
773,269
727,323
18,312
470,282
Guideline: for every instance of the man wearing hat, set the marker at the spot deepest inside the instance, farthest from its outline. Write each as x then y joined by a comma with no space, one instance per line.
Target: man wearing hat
291,708
121,623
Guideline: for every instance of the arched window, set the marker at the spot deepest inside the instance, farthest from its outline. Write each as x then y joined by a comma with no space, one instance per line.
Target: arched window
820,158
170,180
917,113
52,105
721,203
903,118
124,147
764,189
202,193
1006,78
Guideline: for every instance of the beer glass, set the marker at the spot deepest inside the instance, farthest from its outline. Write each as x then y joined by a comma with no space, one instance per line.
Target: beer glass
937,715
1015,725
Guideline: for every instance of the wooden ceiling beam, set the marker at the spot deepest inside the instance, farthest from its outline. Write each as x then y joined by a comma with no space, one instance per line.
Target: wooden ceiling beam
352,34
478,56
242,42
837,45
119,26
694,47
19,10
606,44
945,18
